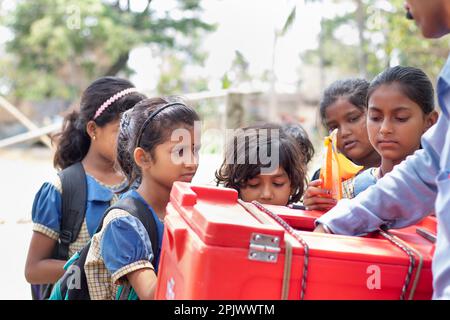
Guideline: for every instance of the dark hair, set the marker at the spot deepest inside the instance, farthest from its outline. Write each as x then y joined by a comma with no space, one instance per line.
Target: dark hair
236,174
414,84
73,141
137,131
354,90
300,135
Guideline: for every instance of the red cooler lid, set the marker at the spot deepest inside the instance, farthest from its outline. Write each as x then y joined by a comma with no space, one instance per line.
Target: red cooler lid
215,215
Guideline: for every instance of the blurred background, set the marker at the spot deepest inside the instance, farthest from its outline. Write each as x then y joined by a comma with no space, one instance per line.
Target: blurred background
236,61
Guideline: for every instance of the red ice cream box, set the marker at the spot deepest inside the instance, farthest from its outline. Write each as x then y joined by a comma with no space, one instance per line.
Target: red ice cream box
218,247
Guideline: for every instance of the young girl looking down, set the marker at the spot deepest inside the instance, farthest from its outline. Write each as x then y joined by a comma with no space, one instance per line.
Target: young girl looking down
278,179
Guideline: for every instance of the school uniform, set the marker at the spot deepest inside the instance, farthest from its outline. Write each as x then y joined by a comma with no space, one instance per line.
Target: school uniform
47,212
354,186
357,184
121,247
404,196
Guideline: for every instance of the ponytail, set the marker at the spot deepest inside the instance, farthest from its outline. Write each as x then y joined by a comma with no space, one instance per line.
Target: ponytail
73,142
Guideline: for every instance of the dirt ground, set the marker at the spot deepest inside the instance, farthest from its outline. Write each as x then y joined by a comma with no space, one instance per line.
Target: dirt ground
22,171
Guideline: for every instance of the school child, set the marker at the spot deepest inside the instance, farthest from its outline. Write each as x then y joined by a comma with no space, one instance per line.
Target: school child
152,149
67,210
400,110
421,183
343,107
278,179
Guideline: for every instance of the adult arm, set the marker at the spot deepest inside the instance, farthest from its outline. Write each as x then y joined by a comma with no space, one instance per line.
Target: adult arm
401,198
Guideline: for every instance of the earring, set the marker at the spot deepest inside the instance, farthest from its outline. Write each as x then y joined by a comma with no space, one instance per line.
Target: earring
94,137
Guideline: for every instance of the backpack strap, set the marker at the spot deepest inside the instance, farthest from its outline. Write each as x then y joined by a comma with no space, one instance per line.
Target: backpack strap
74,197
136,208
140,210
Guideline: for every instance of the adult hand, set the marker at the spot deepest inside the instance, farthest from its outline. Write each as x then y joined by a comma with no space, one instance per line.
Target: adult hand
316,198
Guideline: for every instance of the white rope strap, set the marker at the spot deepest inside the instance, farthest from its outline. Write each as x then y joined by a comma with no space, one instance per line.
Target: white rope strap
412,251
293,233
412,262
288,247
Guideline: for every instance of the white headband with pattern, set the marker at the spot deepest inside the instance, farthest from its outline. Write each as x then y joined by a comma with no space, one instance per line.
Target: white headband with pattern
111,100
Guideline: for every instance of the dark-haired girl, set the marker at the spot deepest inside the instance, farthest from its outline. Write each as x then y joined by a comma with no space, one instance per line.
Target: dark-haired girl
158,144
344,107
88,137
400,110
278,179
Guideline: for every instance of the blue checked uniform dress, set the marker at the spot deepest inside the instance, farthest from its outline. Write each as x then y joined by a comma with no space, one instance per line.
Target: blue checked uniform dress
354,186
46,212
121,247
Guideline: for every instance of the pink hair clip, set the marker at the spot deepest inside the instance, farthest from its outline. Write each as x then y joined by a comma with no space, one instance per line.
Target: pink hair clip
111,100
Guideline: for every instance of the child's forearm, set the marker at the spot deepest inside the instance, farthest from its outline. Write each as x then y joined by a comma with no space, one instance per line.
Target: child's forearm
44,271
40,268
143,282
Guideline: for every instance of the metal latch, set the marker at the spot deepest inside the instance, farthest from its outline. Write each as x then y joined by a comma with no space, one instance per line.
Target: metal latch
426,234
264,247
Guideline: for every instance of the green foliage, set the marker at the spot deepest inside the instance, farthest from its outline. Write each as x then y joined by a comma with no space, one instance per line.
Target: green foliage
60,46
289,22
403,39
170,80
226,82
238,72
389,38
174,80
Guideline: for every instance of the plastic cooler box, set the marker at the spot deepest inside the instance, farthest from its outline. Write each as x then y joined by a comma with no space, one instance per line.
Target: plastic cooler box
215,247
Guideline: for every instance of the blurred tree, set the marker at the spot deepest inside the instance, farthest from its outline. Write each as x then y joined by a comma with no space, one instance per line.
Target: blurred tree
59,46
384,38
174,79
226,82
238,72
170,79
401,42
278,33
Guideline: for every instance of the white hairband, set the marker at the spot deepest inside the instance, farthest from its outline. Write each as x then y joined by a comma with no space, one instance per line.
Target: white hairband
111,100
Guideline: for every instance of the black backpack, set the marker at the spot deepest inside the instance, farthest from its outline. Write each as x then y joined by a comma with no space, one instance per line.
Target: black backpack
73,284
74,197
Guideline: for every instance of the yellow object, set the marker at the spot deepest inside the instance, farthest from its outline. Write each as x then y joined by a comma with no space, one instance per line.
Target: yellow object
336,167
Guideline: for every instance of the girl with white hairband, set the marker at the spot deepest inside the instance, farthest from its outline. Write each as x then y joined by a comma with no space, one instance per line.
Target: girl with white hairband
67,210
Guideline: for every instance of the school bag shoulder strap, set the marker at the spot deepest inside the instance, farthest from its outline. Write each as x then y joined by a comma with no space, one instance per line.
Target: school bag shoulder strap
74,197
64,289
73,208
138,209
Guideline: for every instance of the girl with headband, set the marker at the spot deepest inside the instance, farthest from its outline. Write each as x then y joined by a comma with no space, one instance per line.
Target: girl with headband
122,254
87,146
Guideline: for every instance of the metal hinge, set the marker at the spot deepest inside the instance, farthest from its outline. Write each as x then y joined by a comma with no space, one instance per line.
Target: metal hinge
264,247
